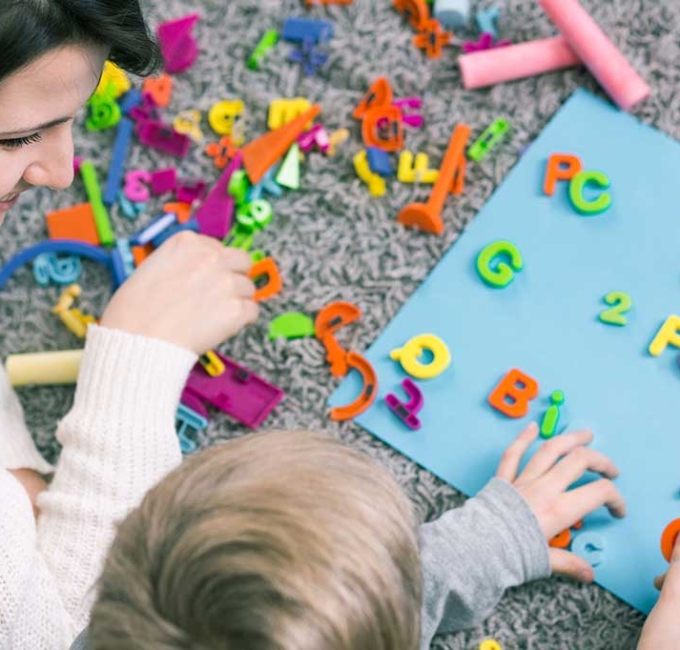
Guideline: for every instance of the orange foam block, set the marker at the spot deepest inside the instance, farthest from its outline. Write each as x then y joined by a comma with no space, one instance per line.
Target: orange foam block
76,222
140,253
261,154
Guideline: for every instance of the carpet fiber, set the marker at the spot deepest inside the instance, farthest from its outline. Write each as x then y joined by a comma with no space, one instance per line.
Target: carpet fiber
332,241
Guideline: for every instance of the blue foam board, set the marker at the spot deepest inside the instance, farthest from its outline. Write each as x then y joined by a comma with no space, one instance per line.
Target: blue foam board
546,323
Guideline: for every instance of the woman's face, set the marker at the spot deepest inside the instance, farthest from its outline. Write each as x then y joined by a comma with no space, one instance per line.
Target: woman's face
37,106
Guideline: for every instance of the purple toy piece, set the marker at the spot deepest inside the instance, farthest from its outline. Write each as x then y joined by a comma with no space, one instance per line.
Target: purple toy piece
485,42
408,116
407,412
164,138
215,214
145,110
77,161
164,180
178,46
238,392
190,191
318,136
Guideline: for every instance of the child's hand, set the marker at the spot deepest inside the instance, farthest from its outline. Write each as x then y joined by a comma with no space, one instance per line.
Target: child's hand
544,484
662,629
192,292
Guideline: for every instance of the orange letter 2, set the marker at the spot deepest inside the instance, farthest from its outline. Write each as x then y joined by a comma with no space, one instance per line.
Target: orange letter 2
512,396
561,167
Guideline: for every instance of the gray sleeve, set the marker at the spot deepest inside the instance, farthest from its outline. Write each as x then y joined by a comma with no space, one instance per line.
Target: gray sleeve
472,554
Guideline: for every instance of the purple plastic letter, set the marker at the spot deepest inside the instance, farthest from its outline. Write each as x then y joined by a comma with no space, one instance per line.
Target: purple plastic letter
407,412
216,212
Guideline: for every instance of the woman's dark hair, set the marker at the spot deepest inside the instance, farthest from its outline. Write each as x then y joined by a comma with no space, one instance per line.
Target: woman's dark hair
30,28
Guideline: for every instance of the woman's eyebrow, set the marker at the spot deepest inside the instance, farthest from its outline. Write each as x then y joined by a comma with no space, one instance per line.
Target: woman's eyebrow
40,127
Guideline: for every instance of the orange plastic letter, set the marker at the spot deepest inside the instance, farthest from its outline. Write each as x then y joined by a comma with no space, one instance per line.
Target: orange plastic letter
512,396
561,167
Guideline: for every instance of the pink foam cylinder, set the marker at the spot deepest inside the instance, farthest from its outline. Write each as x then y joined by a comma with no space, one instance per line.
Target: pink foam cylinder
598,53
512,62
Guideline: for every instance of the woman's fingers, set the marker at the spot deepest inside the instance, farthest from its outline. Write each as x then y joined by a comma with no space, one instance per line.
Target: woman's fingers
509,465
568,564
551,451
243,287
576,463
237,260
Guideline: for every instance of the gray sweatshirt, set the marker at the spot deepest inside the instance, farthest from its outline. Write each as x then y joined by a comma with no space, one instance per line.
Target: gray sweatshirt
472,554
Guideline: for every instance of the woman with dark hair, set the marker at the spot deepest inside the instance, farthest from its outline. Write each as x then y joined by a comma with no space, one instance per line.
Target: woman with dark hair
188,297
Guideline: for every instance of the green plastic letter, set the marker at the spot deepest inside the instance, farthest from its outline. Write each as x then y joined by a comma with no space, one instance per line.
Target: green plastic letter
503,274
600,204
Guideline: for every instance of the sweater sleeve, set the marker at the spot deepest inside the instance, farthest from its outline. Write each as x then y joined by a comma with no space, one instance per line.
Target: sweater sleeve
118,441
17,449
472,554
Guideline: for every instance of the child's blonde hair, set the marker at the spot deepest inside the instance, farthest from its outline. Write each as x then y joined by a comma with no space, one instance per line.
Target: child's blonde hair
275,541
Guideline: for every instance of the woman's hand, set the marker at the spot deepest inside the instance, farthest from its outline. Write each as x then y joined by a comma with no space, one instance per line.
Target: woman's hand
544,483
33,483
193,292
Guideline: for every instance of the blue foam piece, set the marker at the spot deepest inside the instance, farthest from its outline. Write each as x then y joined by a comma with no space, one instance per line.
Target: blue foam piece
71,246
191,224
305,29
546,324
452,13
121,146
379,161
129,100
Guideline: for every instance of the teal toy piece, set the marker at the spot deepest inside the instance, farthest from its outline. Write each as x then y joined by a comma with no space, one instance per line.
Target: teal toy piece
187,419
580,203
60,270
503,273
590,547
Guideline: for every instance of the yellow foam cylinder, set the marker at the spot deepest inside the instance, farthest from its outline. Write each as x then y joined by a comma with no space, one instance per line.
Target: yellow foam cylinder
44,368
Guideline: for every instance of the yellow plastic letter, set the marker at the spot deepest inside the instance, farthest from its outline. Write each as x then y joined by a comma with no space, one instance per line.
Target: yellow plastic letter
669,334
409,354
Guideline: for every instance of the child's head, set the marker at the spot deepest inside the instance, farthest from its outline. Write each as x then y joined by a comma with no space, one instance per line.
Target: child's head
52,57
276,541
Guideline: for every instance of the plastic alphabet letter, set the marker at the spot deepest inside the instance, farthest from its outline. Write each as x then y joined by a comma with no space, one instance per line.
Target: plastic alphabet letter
409,355
560,167
578,183
668,334
503,274
513,394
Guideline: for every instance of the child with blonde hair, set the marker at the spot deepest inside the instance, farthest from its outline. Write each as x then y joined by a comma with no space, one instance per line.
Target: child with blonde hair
292,541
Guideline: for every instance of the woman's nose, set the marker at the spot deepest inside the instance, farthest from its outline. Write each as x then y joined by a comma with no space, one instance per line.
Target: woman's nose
53,165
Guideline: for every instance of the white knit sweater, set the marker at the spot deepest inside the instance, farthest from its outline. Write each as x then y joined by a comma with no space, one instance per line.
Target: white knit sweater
118,441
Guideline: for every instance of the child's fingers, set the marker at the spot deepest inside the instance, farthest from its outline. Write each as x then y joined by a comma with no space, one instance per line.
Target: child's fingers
572,467
551,451
568,564
509,465
577,503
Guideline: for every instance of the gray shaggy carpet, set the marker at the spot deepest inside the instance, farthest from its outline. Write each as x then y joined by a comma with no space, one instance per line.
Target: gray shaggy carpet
333,241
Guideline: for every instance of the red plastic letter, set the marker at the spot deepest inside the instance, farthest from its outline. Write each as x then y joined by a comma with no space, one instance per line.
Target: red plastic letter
561,167
512,396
